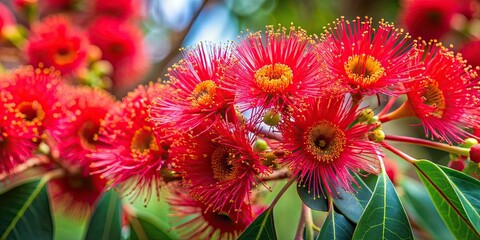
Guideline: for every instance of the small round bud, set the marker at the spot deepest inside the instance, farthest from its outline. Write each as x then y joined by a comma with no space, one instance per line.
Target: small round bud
475,153
366,115
458,165
469,142
94,53
260,145
102,68
376,135
271,118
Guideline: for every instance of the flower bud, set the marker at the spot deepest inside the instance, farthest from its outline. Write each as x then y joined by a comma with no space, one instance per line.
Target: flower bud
475,153
271,118
458,165
469,142
366,115
260,145
376,135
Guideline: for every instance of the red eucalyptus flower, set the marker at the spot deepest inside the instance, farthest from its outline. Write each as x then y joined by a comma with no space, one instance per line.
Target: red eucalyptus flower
446,100
324,149
130,153
219,166
121,44
197,95
429,19
34,93
275,68
366,59
56,42
205,223
16,144
80,136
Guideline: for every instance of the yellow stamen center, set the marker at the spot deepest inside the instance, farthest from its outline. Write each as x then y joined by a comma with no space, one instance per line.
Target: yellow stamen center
32,112
364,69
433,97
88,134
325,141
203,94
64,56
143,142
274,78
224,164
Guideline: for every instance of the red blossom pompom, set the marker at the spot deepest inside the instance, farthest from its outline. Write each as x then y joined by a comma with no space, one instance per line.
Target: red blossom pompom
34,92
75,195
446,100
273,69
205,223
365,59
324,149
80,135
129,152
429,19
56,42
218,166
16,145
197,95
121,44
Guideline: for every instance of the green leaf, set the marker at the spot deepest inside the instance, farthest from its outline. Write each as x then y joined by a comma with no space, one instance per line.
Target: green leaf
351,204
105,222
314,202
262,228
336,227
420,207
384,216
455,196
145,226
29,175
25,212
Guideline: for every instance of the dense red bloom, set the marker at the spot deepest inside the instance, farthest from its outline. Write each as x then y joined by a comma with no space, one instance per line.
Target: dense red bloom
129,153
218,166
205,223
324,149
55,42
76,194
34,92
121,9
429,19
446,100
274,68
366,60
80,135
16,144
471,52
197,95
121,45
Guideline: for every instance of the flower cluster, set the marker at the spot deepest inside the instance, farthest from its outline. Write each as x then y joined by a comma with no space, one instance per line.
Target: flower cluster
228,118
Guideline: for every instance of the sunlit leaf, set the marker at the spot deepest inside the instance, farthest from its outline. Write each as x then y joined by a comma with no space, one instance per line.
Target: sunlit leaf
336,227
352,204
384,216
106,222
455,196
25,212
420,207
314,202
262,228
144,226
